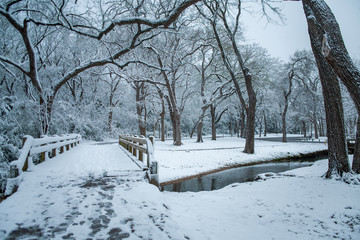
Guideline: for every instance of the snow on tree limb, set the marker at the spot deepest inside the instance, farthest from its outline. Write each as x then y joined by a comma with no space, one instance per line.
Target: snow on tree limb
325,46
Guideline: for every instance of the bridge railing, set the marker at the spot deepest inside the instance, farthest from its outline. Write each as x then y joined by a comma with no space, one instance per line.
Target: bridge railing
42,146
138,146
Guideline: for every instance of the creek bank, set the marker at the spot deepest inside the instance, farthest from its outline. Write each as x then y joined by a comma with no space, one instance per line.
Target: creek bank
308,157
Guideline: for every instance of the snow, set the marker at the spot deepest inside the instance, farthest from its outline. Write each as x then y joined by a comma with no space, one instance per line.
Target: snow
95,191
193,158
304,206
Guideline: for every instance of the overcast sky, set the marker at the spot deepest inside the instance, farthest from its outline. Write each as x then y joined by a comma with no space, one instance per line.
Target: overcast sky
283,40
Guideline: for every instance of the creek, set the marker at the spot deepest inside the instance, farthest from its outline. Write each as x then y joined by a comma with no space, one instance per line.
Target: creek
224,178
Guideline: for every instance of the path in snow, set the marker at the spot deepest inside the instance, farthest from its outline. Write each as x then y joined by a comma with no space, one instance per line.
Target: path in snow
91,192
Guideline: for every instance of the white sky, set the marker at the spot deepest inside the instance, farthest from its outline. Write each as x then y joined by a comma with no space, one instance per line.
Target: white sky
283,40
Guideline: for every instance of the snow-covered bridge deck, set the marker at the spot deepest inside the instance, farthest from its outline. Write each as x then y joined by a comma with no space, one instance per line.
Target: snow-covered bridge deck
79,194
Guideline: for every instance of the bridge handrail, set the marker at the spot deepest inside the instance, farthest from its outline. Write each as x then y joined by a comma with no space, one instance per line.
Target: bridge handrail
43,146
138,146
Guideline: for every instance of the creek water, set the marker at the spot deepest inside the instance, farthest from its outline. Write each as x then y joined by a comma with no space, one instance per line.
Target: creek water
224,178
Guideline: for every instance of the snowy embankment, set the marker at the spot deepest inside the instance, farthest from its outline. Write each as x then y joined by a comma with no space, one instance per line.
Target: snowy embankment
191,159
301,205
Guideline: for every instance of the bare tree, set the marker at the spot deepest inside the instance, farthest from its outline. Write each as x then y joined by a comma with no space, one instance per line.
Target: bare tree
219,12
25,16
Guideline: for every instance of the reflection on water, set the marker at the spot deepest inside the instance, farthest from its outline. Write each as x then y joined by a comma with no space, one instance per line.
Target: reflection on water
236,175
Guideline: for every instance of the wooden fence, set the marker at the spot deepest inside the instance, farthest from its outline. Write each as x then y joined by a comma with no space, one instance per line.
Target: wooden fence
42,146
138,146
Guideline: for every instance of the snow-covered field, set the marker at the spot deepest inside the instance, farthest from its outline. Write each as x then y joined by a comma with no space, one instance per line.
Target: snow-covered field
193,158
87,196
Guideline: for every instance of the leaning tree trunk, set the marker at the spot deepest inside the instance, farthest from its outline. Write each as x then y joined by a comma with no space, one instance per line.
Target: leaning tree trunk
336,53
337,154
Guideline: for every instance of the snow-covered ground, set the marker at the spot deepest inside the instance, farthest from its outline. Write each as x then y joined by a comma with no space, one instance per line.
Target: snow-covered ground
193,158
83,194
303,206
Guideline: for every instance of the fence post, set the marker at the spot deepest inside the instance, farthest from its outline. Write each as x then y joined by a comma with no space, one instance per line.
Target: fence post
141,154
25,167
134,149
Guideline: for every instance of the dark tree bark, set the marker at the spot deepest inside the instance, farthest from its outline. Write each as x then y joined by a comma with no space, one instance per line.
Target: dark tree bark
356,163
338,159
243,124
336,54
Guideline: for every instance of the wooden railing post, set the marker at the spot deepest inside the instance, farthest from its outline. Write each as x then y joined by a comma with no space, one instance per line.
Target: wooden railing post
151,138
26,164
141,154
134,149
62,147
53,152
42,155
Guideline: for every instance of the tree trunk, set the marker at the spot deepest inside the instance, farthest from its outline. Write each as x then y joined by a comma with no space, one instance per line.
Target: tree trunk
162,116
110,118
141,108
250,116
336,54
230,127
45,114
338,159
260,129
304,128
162,125
316,129
213,122
283,118
265,125
193,129
237,128
242,127
177,122
356,159
200,125
199,132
